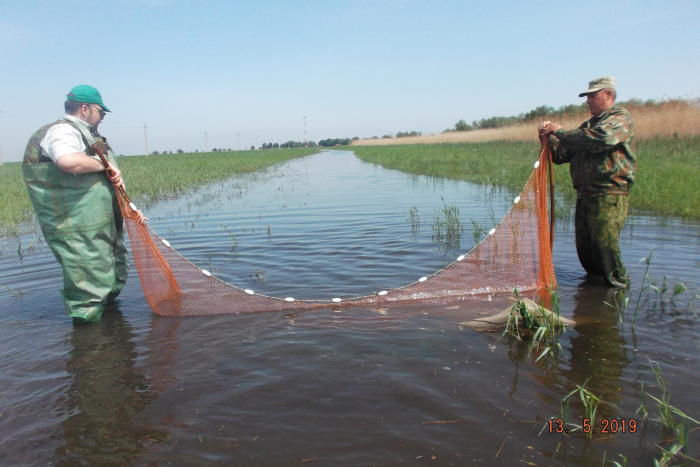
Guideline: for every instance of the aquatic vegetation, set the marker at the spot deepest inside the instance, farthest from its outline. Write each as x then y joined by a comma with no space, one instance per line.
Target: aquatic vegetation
590,403
540,326
614,463
233,237
666,412
667,417
622,297
478,231
447,227
414,219
16,293
641,289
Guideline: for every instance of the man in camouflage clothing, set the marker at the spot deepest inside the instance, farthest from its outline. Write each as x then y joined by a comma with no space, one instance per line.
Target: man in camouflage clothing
601,154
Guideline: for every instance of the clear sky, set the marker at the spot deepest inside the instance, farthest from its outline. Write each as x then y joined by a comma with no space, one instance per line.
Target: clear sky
353,68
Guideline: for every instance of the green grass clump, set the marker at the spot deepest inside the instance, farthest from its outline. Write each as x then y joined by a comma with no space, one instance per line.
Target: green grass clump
148,178
668,169
14,199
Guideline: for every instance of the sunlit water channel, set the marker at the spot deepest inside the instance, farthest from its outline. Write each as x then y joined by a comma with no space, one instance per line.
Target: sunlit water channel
353,386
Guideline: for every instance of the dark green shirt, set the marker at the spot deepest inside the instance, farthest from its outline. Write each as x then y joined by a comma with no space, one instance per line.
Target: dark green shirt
601,153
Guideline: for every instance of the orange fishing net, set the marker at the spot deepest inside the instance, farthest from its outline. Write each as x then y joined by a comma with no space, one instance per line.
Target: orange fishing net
516,254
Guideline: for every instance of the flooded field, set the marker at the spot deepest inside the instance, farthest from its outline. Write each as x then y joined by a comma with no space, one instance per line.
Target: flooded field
404,385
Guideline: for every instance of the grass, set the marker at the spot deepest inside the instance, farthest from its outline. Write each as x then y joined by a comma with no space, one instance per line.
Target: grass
148,178
16,207
447,228
590,403
668,169
667,412
622,297
542,329
414,219
667,417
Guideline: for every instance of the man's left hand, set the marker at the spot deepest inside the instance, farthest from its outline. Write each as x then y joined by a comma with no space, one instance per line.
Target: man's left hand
140,218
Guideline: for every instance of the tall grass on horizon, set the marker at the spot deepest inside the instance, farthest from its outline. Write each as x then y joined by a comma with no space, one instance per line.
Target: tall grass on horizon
649,122
147,178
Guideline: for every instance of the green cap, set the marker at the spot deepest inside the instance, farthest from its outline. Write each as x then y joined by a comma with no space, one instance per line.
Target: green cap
87,94
598,84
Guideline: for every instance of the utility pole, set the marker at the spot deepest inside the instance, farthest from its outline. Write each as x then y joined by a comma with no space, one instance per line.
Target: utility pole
145,136
206,147
239,141
306,139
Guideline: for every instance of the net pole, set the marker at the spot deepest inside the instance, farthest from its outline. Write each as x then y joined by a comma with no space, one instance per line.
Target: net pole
551,195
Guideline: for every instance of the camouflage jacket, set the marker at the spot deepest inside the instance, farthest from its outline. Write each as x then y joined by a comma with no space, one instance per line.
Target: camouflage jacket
601,153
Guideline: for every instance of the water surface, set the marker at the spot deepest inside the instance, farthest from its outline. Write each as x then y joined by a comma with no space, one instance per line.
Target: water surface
350,386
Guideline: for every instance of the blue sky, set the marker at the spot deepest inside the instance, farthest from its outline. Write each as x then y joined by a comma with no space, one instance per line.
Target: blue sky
353,68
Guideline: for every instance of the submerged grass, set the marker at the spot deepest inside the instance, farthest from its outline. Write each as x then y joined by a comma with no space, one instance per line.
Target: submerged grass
660,301
668,169
148,178
447,228
536,328
679,431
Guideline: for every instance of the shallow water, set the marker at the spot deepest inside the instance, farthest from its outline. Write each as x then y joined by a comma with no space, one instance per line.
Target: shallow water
352,386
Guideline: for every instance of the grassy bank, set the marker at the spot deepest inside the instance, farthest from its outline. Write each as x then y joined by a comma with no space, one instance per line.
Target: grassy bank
668,171
147,178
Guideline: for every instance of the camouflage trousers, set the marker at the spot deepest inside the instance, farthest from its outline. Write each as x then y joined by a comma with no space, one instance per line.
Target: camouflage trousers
599,221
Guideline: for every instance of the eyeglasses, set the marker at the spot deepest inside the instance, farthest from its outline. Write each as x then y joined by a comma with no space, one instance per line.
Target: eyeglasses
99,110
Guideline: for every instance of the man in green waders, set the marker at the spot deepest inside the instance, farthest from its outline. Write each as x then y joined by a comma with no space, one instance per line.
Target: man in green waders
76,206
603,163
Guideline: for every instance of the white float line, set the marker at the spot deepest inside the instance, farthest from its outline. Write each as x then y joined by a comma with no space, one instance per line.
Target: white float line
338,300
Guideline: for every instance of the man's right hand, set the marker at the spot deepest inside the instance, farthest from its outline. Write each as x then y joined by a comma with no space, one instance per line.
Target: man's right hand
543,126
548,128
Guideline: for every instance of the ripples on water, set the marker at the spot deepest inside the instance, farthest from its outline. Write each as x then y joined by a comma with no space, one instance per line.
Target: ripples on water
348,386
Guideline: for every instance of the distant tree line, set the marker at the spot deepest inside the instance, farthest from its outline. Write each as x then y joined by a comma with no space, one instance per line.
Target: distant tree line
547,112
406,134
400,134
288,144
335,142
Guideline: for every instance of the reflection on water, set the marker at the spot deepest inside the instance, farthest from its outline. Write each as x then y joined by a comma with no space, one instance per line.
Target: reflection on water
402,385
597,352
107,393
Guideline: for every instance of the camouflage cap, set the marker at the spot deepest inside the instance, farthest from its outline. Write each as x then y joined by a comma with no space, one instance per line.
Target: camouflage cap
598,84
87,94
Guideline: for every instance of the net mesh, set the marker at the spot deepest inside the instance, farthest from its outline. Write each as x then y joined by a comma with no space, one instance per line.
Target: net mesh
516,254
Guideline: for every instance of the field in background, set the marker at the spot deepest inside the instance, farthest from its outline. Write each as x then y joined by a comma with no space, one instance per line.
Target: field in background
664,120
147,178
668,170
